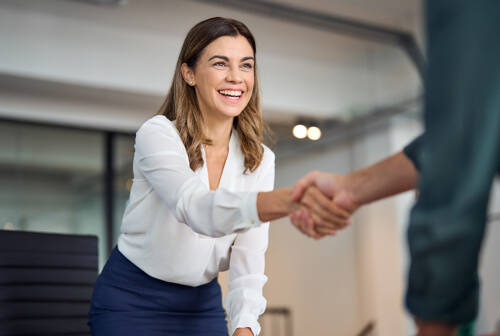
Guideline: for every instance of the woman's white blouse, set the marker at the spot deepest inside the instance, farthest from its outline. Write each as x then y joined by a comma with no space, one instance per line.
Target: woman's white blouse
176,229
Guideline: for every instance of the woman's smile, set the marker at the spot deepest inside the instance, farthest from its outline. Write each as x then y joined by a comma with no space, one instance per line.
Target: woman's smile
231,95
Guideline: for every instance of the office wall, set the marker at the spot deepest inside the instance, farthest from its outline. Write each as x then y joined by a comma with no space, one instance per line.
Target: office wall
333,286
132,50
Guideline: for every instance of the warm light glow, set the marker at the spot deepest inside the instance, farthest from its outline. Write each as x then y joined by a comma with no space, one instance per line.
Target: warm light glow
314,133
299,131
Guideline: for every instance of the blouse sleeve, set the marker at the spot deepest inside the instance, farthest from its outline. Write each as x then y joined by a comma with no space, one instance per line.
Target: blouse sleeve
244,301
162,159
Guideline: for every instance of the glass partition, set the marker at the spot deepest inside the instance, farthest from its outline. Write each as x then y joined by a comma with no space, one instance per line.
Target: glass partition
52,180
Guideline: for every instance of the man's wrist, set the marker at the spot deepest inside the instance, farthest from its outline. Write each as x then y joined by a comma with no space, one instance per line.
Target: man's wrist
350,185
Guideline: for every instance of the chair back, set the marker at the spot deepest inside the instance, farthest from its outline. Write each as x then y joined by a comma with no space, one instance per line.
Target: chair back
46,283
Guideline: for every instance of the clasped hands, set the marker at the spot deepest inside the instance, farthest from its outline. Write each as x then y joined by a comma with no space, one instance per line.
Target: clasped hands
324,204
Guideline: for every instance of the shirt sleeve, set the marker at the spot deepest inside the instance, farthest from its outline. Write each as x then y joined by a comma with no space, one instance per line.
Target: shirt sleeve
245,302
162,159
412,150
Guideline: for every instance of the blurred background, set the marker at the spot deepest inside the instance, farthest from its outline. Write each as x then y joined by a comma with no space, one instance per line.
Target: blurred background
77,79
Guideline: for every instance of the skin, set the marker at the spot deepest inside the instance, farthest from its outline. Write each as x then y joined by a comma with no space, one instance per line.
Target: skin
228,63
243,332
389,177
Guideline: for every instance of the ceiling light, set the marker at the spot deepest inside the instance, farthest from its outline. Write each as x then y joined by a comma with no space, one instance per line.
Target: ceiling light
299,131
313,133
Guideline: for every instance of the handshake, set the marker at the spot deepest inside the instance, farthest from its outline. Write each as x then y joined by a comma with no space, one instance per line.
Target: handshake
323,204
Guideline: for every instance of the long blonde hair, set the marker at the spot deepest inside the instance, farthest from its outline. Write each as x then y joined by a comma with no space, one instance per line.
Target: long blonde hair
181,104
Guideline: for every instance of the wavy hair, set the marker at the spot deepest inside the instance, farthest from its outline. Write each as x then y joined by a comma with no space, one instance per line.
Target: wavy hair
181,104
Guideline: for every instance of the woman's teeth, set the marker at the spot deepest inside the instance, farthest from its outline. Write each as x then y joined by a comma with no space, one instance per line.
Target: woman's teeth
231,94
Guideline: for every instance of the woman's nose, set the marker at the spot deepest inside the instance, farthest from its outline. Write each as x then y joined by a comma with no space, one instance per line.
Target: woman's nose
234,75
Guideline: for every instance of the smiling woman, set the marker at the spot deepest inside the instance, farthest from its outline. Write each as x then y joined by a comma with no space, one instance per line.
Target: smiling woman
201,193
217,63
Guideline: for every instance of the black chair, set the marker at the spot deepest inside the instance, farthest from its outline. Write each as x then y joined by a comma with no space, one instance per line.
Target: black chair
46,283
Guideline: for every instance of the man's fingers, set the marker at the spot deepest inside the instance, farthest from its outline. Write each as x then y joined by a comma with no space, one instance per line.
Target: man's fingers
325,232
298,190
325,218
336,225
309,225
326,203
301,185
312,204
302,221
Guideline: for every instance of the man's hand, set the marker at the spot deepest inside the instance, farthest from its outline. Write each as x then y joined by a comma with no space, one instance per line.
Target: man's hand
333,186
243,332
435,328
318,215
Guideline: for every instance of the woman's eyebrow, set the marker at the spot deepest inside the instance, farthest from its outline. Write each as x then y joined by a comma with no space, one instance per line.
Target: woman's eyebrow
221,57
225,58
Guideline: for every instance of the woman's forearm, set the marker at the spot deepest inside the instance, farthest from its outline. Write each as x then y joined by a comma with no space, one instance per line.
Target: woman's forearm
275,204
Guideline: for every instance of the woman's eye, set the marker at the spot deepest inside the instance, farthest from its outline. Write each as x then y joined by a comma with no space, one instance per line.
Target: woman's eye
247,66
220,64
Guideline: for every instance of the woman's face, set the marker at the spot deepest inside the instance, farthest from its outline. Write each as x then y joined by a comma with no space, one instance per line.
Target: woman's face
224,76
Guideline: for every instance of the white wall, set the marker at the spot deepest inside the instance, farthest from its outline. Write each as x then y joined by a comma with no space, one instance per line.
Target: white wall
318,280
133,49
379,247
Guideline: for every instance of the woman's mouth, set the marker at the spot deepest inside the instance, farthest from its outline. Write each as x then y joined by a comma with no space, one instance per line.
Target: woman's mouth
231,95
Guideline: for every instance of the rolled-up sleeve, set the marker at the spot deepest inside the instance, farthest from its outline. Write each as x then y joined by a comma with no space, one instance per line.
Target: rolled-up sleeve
162,159
245,302
412,150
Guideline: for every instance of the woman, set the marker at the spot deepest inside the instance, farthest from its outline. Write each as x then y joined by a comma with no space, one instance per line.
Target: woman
196,182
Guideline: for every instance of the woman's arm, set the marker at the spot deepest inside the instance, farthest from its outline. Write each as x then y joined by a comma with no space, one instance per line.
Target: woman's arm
245,301
162,160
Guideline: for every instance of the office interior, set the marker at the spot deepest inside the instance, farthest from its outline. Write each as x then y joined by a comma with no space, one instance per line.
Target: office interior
78,77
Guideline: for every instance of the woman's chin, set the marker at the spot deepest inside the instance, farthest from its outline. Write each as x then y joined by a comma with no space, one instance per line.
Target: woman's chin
230,113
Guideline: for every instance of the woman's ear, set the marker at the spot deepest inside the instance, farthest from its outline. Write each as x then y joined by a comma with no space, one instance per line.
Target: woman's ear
187,74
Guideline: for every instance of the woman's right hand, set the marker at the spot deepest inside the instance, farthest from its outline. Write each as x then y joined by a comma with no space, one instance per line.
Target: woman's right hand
318,215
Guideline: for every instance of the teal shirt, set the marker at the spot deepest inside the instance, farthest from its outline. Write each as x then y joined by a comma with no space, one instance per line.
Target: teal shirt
457,157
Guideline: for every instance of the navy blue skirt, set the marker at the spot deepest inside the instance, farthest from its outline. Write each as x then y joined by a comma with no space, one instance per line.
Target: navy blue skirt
127,301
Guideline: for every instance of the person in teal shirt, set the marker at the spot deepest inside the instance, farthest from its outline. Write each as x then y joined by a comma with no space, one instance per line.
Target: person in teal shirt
457,157
454,163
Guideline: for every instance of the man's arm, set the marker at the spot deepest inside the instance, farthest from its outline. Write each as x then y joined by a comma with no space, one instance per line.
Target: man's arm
388,177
